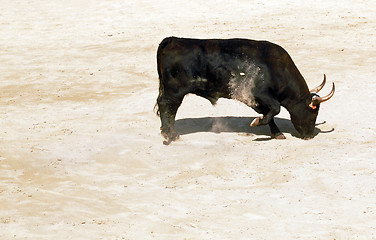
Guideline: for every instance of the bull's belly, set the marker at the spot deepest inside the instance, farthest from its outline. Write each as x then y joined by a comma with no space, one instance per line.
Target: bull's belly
242,82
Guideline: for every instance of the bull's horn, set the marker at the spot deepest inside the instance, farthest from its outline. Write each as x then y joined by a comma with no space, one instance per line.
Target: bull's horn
318,88
327,97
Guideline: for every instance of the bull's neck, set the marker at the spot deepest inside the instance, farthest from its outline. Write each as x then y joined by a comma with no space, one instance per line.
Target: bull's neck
296,95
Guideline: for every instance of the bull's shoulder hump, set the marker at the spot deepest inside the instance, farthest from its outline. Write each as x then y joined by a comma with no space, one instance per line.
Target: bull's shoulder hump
273,46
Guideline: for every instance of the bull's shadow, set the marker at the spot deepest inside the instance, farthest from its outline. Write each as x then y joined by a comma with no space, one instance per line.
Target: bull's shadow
232,124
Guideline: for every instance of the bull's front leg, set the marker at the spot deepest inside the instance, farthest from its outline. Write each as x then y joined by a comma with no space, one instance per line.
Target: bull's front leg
276,133
269,111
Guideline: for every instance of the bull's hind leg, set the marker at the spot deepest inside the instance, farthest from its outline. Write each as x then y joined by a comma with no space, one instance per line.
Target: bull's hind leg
269,108
167,107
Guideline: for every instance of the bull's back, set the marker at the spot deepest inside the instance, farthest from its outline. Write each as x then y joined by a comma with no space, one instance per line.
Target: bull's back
236,49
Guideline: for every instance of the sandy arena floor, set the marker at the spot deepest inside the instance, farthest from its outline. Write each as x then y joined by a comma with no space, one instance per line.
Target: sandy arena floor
81,155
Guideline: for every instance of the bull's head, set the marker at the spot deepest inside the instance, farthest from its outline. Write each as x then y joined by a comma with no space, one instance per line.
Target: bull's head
305,114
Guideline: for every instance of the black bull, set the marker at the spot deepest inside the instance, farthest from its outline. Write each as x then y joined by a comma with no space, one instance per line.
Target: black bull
258,73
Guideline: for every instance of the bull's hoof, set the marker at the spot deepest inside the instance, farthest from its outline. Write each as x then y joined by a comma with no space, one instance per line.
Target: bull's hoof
255,122
279,136
169,137
165,135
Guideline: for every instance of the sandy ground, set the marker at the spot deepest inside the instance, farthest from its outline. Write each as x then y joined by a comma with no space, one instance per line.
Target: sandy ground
81,156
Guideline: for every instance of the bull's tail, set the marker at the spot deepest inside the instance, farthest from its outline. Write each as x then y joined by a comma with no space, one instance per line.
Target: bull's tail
161,46
156,109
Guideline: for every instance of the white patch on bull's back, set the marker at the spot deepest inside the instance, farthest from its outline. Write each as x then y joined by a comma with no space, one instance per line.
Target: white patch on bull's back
242,83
